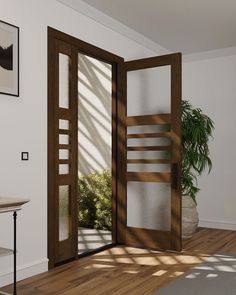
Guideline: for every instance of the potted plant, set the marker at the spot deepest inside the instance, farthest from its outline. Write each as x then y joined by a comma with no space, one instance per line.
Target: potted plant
196,131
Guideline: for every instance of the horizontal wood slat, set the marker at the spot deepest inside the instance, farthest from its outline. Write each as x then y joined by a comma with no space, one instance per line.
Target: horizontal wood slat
150,62
148,161
64,131
148,238
148,120
65,146
60,161
149,177
149,135
65,179
64,114
149,148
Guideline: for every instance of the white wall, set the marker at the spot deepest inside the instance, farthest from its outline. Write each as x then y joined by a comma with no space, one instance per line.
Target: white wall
23,121
209,82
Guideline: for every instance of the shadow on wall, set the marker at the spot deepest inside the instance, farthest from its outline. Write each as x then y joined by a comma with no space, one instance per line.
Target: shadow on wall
94,115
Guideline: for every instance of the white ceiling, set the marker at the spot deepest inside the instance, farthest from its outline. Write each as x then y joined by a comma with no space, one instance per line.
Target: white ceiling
179,25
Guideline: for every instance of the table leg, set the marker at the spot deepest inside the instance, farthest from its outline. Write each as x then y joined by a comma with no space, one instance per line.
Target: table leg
14,286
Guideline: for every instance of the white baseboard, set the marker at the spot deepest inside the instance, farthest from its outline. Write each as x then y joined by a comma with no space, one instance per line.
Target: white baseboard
217,224
24,271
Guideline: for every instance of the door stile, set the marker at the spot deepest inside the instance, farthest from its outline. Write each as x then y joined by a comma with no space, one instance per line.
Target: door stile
176,198
74,146
122,155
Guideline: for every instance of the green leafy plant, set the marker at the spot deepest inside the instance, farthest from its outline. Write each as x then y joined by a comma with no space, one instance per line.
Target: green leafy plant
95,207
196,131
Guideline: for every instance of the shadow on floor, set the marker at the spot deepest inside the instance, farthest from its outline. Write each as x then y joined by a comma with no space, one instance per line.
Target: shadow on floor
91,239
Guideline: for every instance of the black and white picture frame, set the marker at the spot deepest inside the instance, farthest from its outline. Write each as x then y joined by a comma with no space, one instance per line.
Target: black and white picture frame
9,59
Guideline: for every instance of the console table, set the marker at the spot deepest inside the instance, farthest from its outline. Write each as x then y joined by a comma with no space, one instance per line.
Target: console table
11,205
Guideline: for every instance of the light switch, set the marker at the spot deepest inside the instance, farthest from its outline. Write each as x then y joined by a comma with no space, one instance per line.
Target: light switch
24,156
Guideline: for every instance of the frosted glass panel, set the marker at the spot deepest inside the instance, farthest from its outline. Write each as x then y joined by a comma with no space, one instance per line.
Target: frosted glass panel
64,216
148,205
148,141
148,129
150,90
63,154
64,81
149,168
63,139
63,169
64,124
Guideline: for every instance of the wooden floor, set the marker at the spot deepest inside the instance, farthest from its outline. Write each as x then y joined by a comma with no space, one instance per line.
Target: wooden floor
128,271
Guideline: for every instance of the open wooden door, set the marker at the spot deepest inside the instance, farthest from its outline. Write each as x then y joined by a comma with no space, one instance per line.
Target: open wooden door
160,226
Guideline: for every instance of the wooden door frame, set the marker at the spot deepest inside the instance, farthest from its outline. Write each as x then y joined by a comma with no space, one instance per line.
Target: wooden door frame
118,107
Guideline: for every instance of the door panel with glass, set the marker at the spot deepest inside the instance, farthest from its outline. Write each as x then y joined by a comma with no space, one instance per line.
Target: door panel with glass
151,198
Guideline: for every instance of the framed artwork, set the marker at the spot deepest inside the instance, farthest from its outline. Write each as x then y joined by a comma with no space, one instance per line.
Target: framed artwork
9,59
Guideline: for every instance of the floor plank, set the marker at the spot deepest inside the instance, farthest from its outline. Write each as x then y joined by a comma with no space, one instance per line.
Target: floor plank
126,270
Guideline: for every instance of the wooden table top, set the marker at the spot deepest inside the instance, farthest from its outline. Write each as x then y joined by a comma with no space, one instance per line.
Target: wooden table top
12,203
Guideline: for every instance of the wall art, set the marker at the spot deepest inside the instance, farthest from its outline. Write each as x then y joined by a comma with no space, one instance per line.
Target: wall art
9,59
